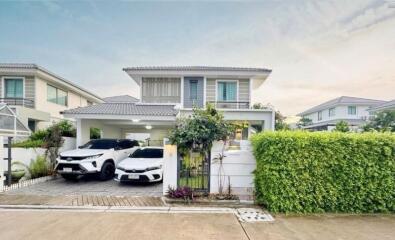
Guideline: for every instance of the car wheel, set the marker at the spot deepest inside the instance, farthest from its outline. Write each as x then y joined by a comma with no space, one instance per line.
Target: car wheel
69,177
107,171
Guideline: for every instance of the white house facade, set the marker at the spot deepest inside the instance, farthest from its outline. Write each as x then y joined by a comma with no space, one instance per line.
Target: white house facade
38,96
353,110
169,92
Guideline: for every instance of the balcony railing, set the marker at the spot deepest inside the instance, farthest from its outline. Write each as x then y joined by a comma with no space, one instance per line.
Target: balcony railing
18,102
231,105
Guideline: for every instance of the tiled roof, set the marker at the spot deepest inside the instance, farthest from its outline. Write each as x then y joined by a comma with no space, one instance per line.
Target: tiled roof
384,106
352,122
196,68
15,67
125,109
343,100
120,99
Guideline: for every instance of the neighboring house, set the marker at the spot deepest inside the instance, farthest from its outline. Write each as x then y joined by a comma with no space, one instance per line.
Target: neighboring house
390,105
353,110
121,99
168,92
38,96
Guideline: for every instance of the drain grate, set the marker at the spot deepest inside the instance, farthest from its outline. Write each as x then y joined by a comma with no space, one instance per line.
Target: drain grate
253,215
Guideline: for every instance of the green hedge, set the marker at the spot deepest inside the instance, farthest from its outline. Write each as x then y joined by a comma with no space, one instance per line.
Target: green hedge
305,172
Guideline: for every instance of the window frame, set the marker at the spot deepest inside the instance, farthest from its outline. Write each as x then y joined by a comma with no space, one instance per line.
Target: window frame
319,115
57,95
193,82
334,112
352,107
226,81
3,80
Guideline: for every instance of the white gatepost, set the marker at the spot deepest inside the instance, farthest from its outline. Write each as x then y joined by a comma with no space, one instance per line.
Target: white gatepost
169,166
2,178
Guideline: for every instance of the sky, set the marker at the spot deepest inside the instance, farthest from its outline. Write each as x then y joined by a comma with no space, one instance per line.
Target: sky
318,50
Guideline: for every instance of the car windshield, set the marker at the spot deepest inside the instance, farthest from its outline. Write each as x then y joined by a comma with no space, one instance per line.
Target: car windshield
100,144
147,153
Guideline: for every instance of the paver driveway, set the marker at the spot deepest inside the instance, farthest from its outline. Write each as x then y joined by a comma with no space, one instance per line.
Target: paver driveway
89,186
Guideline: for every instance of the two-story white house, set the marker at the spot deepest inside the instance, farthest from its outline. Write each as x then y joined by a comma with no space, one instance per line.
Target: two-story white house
37,96
169,92
353,110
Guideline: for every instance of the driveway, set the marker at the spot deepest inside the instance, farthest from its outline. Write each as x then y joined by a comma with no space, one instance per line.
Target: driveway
89,186
125,225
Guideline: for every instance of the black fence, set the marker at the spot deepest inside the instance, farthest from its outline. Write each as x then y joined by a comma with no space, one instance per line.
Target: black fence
195,176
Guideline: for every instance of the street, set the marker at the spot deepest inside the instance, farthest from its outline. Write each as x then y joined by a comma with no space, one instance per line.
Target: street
77,224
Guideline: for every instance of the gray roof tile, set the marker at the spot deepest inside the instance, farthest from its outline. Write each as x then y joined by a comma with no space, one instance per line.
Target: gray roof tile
125,109
120,99
384,106
343,100
14,67
196,68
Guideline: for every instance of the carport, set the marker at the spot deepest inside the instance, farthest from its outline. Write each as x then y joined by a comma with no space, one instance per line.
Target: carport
143,122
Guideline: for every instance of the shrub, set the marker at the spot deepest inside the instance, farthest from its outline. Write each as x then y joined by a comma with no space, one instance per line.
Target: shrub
39,167
66,128
38,135
304,172
29,144
180,193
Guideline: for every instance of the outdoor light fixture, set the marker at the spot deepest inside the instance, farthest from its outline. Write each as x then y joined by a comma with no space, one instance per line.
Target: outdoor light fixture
135,120
148,127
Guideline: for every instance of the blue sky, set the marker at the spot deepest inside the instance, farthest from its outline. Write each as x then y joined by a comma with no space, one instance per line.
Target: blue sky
317,49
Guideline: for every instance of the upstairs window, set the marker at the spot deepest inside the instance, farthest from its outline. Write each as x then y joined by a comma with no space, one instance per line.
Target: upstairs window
13,87
193,89
332,112
352,110
319,115
227,91
56,95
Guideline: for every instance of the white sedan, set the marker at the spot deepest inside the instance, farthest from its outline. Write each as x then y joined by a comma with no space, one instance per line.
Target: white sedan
143,165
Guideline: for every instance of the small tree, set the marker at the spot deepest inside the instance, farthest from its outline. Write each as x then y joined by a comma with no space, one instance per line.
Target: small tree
52,142
304,121
342,126
384,122
198,132
280,123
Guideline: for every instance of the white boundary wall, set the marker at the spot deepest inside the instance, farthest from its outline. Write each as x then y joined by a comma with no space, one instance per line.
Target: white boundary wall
238,166
169,167
26,155
2,156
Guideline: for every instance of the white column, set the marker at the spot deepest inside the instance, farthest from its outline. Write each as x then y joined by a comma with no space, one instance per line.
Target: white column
2,178
169,167
79,133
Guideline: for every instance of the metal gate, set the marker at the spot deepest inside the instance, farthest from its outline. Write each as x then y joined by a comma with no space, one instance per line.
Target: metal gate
194,173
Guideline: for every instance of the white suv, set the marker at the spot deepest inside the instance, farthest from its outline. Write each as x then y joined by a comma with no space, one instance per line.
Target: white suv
99,156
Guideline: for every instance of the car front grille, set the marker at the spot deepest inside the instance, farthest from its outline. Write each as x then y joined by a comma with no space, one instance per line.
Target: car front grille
71,158
135,171
74,167
142,178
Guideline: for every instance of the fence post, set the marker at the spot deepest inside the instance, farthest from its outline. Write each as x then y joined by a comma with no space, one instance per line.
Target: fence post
9,161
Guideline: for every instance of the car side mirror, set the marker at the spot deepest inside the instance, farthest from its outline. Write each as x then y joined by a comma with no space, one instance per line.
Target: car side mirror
79,147
117,148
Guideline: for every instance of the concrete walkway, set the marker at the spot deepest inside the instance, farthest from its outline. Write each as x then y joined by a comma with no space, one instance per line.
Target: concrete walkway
63,224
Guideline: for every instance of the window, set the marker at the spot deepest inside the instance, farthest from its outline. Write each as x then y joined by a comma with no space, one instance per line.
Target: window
56,95
147,153
125,144
352,110
227,91
319,115
193,87
332,112
13,88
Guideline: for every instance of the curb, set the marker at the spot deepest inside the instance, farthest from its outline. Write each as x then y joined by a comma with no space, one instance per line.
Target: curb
118,209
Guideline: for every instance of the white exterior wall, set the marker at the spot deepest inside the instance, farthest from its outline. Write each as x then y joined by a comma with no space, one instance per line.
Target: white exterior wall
341,113
74,100
169,167
238,167
83,130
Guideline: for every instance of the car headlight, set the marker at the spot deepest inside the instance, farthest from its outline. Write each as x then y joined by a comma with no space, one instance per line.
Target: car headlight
153,168
93,156
121,168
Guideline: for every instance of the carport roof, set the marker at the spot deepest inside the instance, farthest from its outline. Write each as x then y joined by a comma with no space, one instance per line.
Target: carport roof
125,109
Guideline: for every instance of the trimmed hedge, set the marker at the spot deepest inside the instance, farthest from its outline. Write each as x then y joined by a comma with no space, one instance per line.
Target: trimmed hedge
306,172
